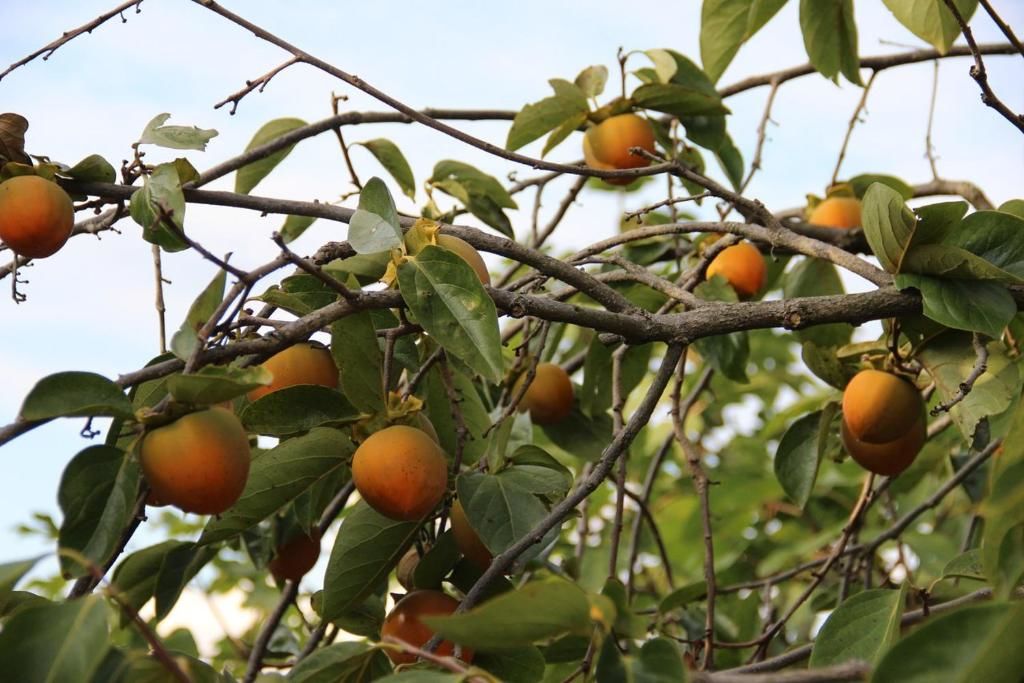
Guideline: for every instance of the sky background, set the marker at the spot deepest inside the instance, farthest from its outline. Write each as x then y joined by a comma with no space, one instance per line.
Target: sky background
90,307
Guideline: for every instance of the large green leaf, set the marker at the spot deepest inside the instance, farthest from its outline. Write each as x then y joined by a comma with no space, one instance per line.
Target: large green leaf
360,363
966,646
971,305
499,510
533,470
278,476
659,661
55,643
186,340
96,495
953,262
817,277
482,194
352,662
931,20
447,299
75,394
830,37
995,236
537,611
474,413
1002,548
798,457
250,175
10,574
536,119
888,225
519,665
392,159
368,547
297,409
862,628
374,226
726,24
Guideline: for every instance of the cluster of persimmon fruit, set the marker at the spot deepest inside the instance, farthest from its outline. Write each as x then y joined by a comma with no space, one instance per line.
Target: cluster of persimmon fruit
36,216
200,463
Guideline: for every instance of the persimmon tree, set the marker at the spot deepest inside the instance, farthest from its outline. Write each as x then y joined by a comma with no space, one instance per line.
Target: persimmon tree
575,397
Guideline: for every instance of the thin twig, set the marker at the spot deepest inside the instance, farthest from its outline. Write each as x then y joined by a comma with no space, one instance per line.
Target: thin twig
160,308
68,36
929,148
255,84
853,123
979,369
1003,26
980,75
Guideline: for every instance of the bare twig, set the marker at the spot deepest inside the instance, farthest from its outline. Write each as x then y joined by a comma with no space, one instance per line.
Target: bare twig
980,75
853,123
1003,26
68,36
929,148
255,84
160,308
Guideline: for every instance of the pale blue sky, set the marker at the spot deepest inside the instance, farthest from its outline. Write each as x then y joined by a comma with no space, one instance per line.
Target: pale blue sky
90,306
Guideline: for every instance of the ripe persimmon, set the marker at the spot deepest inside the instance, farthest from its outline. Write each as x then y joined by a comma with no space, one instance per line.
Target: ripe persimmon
400,472
890,458
295,557
468,540
199,462
606,146
743,266
36,216
836,212
465,250
879,407
302,363
403,623
549,396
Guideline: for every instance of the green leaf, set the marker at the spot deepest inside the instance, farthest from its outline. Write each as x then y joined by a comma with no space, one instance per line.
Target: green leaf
830,38
533,470
817,277
677,100
966,565
862,182
277,476
447,299
862,628
251,174
888,225
536,119
368,547
798,458
582,436
731,160
937,222
596,395
75,394
825,364
56,642
482,194
706,131
519,665
10,574
374,226
948,261
1014,207
931,20
562,132
537,611
175,137
186,340
161,570
995,236
726,24
160,193
394,162
1002,547
474,413
294,226
950,358
500,511
592,80
352,662
93,168
360,363
297,409
971,305
97,496
216,384
683,596
968,645
179,566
